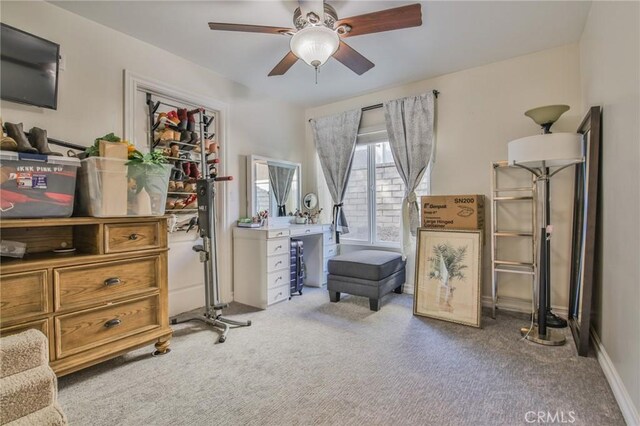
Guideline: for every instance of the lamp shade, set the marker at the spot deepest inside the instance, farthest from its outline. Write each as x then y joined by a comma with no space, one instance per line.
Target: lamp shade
547,114
315,44
546,150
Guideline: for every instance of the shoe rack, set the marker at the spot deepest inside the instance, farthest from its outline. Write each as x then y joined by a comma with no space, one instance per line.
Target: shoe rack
186,136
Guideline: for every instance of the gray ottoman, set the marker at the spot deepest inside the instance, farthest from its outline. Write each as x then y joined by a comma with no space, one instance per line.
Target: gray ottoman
367,273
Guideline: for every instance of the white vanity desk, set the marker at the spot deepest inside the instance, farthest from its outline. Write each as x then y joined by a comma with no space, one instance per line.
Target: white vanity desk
261,258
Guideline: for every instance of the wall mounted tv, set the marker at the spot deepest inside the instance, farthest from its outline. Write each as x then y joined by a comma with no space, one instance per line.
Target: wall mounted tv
28,68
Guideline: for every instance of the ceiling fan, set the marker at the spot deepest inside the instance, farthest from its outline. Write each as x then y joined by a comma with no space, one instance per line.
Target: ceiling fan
315,39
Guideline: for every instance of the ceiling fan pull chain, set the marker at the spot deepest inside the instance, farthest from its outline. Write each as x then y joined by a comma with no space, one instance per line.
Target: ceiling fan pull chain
316,75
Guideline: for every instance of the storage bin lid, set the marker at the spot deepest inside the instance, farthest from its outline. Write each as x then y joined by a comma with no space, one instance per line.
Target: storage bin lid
49,159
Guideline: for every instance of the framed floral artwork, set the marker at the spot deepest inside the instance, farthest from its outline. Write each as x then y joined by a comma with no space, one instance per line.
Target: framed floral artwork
448,275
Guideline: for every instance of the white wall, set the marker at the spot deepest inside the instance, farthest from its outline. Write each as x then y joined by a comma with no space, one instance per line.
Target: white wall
609,59
478,111
90,104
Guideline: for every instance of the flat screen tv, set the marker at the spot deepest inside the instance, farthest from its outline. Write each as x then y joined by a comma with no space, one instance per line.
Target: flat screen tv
28,68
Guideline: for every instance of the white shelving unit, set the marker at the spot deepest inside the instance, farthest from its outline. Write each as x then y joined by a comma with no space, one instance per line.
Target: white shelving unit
500,196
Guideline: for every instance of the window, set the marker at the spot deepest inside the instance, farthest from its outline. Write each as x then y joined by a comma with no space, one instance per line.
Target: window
373,201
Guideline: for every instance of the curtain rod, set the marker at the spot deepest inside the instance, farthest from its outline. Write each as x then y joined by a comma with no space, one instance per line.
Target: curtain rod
376,106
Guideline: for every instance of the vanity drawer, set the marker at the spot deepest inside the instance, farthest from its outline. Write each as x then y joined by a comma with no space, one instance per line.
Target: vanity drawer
88,329
277,294
278,278
304,230
23,295
95,284
120,238
277,233
275,263
329,238
330,251
277,246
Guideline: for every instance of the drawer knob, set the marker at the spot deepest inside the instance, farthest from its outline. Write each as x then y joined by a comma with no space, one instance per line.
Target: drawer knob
133,236
279,262
307,231
278,248
112,281
278,279
113,323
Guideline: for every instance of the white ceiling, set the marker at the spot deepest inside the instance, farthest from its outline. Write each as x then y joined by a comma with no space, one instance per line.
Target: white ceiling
455,35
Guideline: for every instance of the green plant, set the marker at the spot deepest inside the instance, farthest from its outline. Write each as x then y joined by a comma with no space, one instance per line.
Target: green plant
94,150
144,169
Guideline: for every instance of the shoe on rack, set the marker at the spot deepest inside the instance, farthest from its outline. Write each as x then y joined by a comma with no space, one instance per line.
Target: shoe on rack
195,171
191,202
183,117
171,203
15,132
38,139
172,116
161,121
185,140
190,187
195,141
186,167
191,119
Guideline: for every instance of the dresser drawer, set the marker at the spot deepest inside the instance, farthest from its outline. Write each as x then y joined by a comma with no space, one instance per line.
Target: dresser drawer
278,233
275,263
23,295
120,238
278,278
41,325
330,251
88,329
105,282
275,295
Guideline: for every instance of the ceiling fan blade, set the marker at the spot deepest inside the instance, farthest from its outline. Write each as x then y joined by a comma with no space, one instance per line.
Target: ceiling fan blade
352,59
383,20
249,28
284,65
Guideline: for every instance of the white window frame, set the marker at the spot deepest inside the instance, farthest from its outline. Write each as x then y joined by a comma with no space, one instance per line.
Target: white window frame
371,241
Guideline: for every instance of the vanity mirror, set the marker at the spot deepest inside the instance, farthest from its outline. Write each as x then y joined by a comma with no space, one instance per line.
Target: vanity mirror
273,185
310,201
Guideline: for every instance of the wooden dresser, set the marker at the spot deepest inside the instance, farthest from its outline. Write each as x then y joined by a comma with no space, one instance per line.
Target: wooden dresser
106,298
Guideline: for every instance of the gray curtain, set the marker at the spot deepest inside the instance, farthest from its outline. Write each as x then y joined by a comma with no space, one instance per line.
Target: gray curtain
335,139
281,179
410,124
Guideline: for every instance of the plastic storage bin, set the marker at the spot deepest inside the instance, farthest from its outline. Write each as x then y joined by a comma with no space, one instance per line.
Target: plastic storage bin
36,186
108,187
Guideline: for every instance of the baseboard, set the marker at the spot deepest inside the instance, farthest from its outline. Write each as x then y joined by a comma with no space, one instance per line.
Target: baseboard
516,304
629,410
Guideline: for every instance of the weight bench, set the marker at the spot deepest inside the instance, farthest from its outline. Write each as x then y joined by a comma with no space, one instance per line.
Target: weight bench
367,273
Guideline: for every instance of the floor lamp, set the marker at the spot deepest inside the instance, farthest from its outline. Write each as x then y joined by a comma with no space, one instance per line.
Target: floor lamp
545,155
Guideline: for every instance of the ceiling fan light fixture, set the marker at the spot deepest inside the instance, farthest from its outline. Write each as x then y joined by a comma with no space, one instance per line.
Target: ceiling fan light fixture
315,44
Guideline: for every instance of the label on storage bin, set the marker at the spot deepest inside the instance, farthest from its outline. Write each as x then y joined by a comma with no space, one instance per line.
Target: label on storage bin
31,181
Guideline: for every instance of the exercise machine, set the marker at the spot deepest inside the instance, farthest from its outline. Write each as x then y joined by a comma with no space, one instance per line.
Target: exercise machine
206,193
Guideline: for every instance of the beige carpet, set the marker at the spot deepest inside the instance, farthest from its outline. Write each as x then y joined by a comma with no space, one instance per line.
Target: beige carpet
308,361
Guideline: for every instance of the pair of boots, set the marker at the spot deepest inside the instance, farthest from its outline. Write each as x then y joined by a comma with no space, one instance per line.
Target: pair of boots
37,142
187,119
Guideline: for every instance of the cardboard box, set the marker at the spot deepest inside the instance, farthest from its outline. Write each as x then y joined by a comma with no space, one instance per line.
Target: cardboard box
453,211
